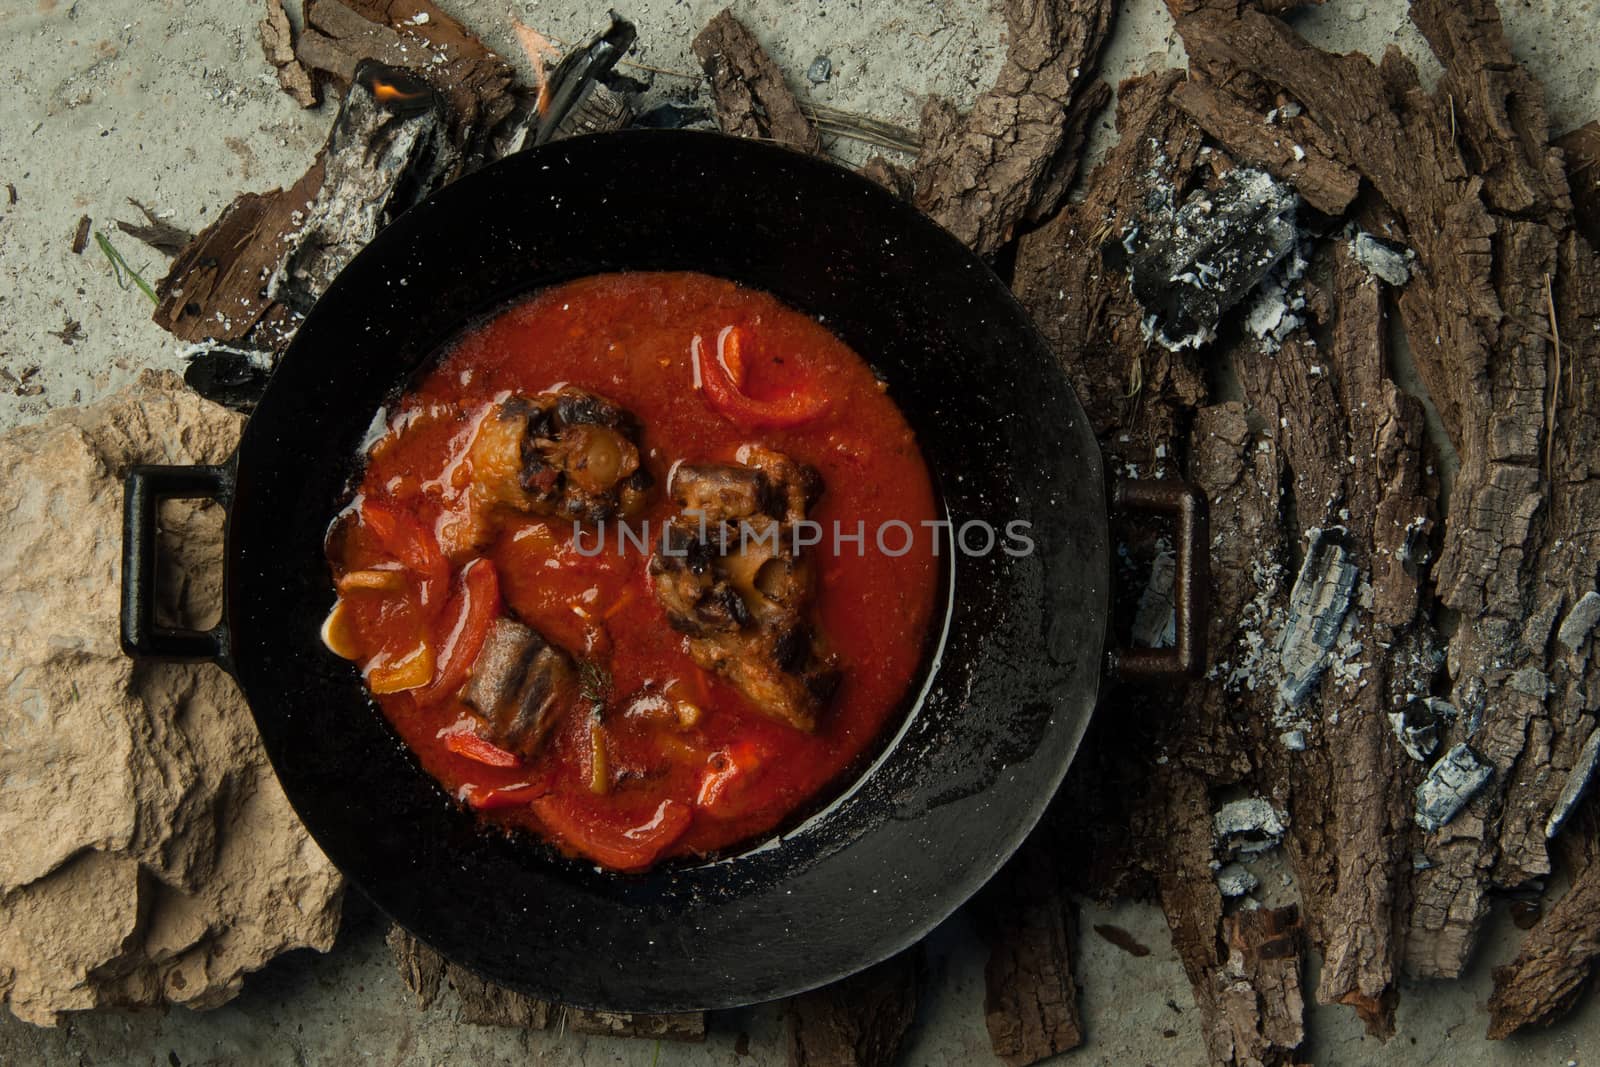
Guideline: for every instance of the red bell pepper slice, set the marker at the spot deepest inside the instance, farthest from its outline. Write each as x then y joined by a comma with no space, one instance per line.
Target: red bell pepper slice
404,538
721,380
726,782
621,850
468,744
473,608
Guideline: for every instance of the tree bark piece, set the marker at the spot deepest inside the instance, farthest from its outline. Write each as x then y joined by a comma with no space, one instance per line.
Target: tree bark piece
1330,401
277,41
687,1026
860,1021
1031,1001
426,973
1582,149
484,1003
1559,955
1292,150
1012,157
752,98
1483,201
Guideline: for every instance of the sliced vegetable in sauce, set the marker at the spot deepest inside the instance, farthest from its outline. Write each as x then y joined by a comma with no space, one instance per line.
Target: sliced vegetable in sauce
722,378
626,703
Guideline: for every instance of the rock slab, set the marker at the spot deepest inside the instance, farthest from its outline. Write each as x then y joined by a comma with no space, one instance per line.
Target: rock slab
150,856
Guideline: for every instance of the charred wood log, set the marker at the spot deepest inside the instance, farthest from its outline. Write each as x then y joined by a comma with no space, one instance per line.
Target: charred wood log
575,99
423,103
478,86
241,286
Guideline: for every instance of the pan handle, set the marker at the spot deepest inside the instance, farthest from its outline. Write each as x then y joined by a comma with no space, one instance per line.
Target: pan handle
1190,583
143,491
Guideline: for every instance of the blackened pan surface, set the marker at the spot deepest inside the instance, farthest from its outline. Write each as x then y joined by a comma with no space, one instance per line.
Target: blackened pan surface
1009,691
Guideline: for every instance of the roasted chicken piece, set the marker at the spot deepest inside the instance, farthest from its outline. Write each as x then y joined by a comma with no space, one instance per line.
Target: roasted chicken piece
730,579
518,687
568,454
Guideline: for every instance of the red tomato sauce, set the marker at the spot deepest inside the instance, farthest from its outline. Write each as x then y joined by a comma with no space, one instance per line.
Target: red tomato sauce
734,775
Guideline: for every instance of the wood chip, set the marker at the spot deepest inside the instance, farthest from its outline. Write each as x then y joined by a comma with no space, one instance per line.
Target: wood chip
860,1021
69,334
277,41
156,232
80,236
1011,158
752,98
688,1026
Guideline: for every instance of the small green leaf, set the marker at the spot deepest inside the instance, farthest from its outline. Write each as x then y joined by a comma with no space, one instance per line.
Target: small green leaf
126,275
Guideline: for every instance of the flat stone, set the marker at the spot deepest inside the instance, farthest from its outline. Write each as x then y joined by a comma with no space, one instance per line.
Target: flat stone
150,856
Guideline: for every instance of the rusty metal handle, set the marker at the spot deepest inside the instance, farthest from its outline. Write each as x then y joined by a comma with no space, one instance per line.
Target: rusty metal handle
1190,584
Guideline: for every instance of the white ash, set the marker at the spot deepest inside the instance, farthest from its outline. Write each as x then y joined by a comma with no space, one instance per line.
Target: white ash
1382,260
1155,623
1450,784
1245,827
1576,785
1279,306
1251,665
1234,881
1318,603
1580,621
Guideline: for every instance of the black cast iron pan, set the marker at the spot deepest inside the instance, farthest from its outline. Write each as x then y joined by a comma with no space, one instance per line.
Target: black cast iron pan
1011,681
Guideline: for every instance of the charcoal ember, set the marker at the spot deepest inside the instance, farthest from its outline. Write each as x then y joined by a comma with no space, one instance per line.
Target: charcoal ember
1318,603
672,116
1450,784
1417,726
227,374
1233,880
1189,264
577,99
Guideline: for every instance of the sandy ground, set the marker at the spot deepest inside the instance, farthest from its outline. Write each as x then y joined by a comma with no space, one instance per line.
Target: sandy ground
170,102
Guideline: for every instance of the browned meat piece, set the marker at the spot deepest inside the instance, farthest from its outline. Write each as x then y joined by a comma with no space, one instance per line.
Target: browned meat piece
731,580
569,454
518,686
